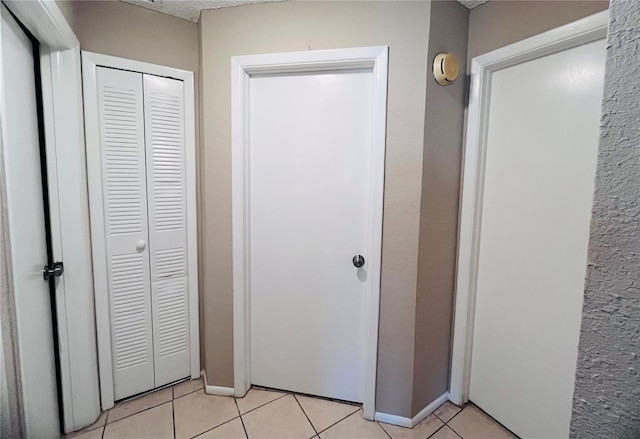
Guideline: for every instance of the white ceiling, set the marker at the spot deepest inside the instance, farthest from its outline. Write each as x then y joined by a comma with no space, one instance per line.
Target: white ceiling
190,9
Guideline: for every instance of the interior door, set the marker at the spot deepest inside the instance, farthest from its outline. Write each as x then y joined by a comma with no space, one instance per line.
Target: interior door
27,236
542,143
165,152
310,141
122,145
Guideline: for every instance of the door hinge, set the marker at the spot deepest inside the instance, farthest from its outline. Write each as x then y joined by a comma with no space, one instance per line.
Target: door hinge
56,269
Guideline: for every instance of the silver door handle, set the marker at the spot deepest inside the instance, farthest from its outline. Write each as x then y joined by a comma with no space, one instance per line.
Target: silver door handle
141,245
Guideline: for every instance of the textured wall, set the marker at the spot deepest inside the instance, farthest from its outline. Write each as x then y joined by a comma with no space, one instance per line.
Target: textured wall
443,132
290,26
607,393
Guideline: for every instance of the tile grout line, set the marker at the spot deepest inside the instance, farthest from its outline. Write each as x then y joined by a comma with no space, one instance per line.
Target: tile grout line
459,411
256,408
106,422
189,393
305,415
225,422
339,421
173,415
181,396
437,416
383,429
441,427
246,435
325,398
495,421
452,418
213,428
144,410
141,411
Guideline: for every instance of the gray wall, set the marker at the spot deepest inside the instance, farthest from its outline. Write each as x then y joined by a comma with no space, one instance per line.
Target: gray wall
501,22
607,393
444,127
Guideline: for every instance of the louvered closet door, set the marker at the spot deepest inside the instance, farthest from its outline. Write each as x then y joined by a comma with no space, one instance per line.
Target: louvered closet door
122,144
164,128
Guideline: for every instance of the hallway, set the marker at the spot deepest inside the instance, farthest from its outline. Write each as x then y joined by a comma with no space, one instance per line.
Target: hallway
185,411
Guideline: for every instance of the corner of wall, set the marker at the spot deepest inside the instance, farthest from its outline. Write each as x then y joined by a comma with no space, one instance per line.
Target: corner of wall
443,143
200,196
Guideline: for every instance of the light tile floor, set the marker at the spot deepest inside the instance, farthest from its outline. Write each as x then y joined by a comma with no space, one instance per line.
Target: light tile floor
184,411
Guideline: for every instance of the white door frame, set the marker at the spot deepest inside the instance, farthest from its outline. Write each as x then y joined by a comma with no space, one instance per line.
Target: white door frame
583,31
242,68
90,63
68,202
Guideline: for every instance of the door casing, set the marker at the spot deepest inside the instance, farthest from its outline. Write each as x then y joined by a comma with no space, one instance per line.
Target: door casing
90,62
242,67
583,31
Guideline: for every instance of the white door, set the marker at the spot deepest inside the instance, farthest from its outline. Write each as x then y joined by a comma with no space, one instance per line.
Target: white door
310,146
24,204
542,143
165,151
124,192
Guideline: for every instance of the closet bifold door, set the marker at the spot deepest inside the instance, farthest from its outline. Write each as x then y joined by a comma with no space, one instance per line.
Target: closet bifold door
165,140
122,147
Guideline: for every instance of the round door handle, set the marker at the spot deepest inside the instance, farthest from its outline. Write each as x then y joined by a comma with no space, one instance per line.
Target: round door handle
358,261
141,245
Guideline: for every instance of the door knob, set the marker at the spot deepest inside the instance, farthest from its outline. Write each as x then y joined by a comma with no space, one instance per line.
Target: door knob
358,261
141,245
56,270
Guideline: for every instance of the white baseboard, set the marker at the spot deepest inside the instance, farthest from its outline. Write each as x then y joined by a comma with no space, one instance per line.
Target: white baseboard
422,414
220,391
216,390
412,422
393,419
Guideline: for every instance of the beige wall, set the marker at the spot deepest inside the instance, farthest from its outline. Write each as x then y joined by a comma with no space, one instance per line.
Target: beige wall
290,26
444,126
120,29
499,23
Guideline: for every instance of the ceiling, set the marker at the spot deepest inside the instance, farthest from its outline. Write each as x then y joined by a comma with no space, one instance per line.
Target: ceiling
472,3
190,9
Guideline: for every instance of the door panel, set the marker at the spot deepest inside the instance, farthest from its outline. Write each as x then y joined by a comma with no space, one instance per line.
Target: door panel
26,225
543,133
122,144
310,142
165,151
